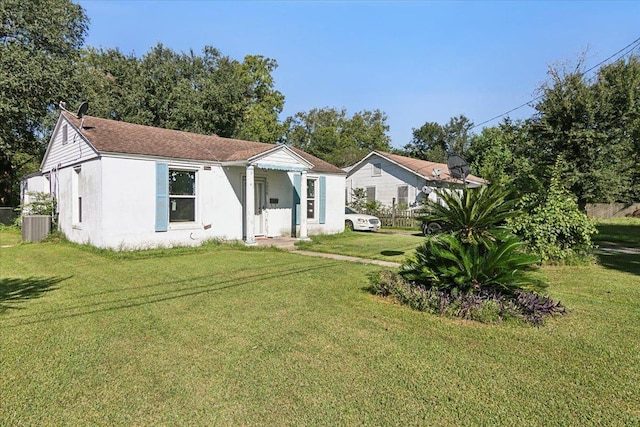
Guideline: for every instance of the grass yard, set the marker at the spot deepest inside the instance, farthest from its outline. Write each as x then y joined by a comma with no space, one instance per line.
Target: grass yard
231,336
381,245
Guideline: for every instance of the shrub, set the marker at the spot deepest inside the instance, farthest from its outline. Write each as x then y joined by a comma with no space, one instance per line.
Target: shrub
553,227
486,306
444,262
40,204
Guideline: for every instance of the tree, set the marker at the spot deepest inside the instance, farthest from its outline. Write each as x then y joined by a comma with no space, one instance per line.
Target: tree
260,122
593,126
505,155
38,52
432,141
331,135
207,93
428,143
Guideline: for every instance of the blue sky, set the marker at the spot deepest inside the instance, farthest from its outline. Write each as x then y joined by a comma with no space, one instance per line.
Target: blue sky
417,61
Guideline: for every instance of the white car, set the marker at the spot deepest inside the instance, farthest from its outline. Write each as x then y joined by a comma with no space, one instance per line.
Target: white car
357,221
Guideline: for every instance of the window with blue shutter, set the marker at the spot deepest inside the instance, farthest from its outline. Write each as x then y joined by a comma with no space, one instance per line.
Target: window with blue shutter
162,196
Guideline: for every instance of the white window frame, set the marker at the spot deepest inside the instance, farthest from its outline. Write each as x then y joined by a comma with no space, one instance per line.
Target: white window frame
315,199
180,224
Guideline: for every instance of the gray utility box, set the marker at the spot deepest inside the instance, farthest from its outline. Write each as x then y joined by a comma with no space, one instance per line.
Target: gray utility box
35,227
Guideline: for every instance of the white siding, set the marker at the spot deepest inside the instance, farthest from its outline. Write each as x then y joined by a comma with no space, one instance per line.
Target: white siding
387,182
61,154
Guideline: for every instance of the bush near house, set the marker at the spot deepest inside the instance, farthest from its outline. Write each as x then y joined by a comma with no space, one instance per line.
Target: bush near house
477,269
553,226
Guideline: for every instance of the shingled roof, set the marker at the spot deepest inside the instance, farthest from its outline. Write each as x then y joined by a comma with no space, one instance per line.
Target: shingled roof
111,136
425,168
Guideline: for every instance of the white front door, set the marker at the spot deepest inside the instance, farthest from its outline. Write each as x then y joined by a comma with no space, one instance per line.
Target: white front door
260,204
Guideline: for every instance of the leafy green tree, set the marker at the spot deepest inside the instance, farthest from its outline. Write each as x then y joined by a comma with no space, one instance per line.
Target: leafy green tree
432,141
261,122
39,45
427,143
593,126
206,93
505,155
333,136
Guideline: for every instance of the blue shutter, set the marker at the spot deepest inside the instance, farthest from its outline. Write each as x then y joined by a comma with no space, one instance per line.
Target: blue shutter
296,198
162,196
323,200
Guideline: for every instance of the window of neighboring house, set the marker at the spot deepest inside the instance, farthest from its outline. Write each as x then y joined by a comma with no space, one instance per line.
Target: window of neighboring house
403,195
312,198
65,134
182,195
371,194
377,169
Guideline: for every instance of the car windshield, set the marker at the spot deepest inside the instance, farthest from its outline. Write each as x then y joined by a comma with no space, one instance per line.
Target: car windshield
348,210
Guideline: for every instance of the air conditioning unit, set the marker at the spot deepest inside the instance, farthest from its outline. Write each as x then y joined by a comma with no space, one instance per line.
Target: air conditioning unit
436,172
35,227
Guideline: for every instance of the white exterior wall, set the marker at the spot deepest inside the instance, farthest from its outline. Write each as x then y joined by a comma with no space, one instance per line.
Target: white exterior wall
129,205
119,197
334,214
89,187
391,177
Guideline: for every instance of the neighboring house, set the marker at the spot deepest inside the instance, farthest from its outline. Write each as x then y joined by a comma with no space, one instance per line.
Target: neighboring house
390,178
126,186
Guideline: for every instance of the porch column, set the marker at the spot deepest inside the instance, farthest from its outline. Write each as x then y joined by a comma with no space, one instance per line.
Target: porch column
250,207
303,206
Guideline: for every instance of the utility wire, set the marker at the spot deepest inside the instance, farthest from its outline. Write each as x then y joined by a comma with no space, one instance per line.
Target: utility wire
628,48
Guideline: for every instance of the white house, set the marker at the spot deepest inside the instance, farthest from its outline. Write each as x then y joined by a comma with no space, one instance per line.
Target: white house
403,181
127,186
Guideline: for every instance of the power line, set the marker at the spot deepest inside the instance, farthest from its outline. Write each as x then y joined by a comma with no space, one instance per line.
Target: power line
627,49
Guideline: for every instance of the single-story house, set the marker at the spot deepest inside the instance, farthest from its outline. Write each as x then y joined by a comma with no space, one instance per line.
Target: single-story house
397,180
127,186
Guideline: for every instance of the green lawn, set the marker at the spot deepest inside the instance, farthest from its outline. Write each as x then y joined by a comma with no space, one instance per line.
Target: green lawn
228,336
382,245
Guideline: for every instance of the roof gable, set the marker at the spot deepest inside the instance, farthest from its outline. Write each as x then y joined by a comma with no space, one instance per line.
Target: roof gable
422,168
281,157
67,146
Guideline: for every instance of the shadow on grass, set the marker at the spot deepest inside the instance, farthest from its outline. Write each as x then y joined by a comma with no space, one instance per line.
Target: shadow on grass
161,292
626,262
391,253
14,290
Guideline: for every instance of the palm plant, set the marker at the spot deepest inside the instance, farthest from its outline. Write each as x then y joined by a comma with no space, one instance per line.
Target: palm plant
474,215
445,262
478,252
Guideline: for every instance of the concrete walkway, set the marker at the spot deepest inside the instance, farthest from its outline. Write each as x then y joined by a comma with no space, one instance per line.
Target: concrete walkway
288,243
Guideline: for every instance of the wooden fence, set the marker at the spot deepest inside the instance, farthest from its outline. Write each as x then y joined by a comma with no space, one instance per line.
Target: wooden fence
392,218
612,210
